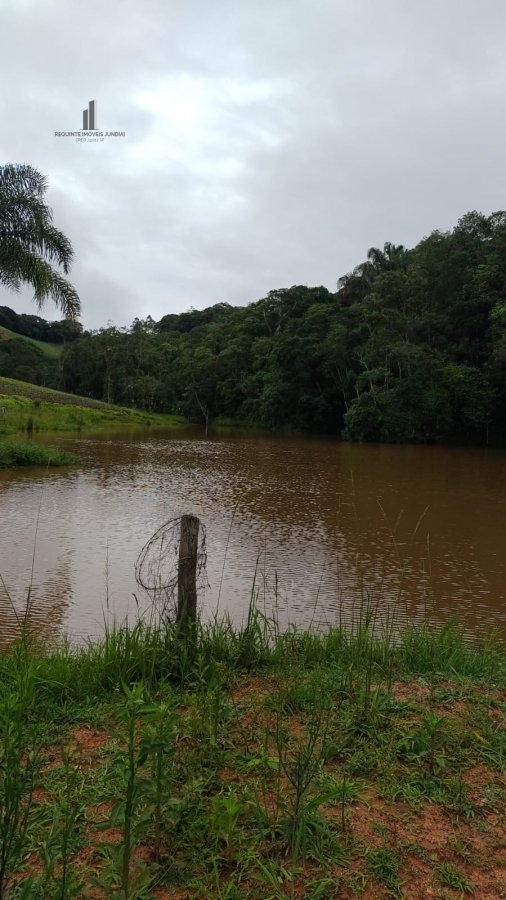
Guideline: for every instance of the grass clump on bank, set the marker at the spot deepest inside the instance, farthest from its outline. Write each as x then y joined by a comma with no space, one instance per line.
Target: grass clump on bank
246,763
26,453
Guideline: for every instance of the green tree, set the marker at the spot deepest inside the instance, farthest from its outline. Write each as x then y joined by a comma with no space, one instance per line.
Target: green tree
30,245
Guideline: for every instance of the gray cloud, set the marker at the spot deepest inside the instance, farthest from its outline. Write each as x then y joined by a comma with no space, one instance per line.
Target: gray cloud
269,142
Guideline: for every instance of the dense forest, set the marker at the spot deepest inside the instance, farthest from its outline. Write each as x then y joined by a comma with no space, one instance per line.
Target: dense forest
410,347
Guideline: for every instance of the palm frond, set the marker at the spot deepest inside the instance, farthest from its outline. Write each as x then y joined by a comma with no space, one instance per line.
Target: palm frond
24,178
30,243
17,264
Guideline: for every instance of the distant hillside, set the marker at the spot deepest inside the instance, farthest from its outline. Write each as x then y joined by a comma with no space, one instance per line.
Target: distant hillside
31,348
29,407
62,332
53,351
10,387
28,359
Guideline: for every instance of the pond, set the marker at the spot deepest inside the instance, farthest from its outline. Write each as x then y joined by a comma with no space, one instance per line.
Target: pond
319,532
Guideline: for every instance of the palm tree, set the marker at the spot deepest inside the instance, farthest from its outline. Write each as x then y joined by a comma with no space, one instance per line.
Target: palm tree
393,256
356,284
29,242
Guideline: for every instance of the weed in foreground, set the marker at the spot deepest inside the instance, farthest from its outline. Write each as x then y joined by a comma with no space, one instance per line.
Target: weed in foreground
59,879
384,864
450,876
127,811
300,761
20,763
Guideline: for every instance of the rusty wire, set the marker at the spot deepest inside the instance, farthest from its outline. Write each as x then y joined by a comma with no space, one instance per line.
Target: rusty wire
156,569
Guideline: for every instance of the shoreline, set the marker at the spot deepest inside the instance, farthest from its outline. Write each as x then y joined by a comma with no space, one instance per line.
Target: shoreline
27,410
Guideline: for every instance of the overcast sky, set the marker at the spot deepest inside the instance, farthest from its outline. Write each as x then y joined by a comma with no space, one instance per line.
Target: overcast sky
268,142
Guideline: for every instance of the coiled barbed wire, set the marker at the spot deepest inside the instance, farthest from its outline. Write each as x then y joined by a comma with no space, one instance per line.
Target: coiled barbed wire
156,569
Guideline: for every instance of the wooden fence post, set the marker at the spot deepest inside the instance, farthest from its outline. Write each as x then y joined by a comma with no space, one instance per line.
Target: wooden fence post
187,571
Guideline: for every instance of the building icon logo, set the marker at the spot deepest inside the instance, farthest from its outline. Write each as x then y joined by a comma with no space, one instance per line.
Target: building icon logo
90,116
90,132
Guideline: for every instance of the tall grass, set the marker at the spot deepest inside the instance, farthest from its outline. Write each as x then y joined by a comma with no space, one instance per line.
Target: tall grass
19,758
154,654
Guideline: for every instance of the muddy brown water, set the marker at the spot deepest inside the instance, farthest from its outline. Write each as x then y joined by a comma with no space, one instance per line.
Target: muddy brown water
317,530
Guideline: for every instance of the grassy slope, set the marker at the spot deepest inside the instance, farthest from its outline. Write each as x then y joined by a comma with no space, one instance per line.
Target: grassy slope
29,407
53,351
11,387
340,766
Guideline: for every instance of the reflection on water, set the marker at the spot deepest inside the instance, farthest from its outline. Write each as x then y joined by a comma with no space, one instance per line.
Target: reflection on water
413,531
